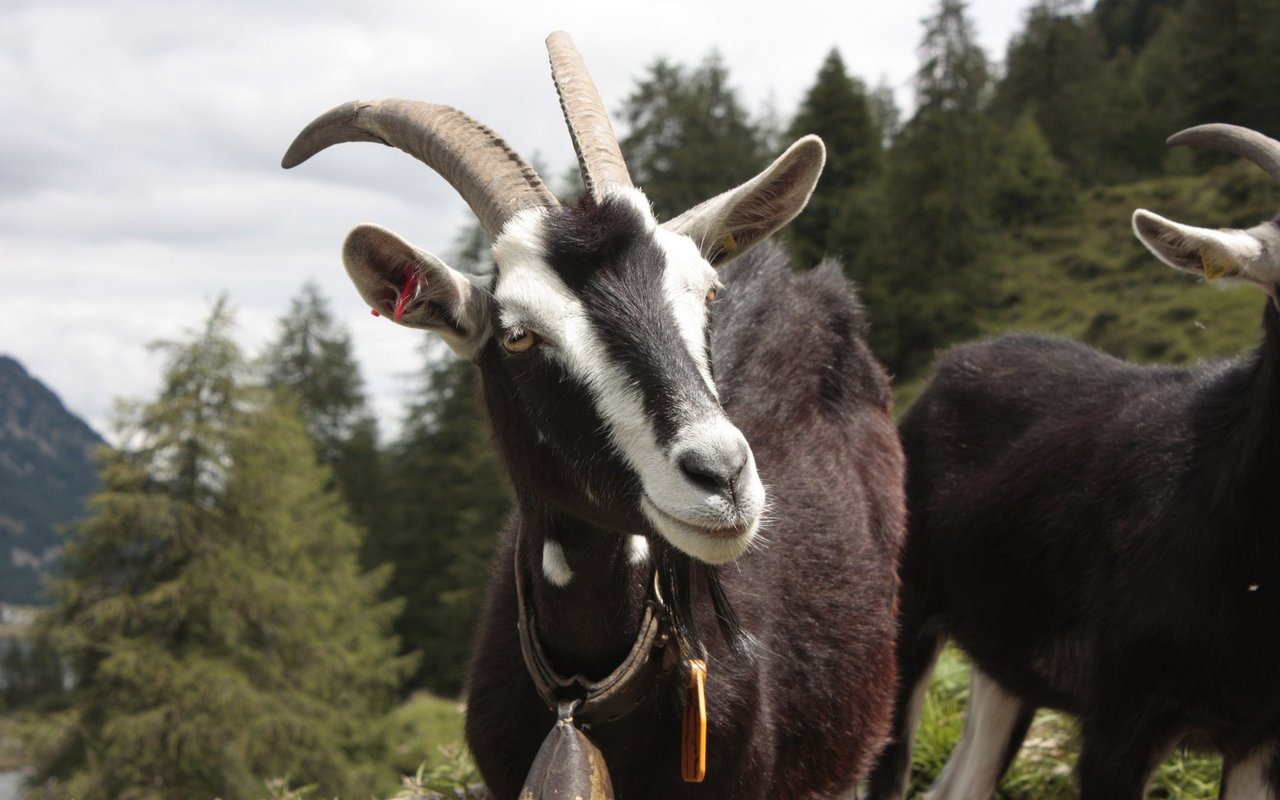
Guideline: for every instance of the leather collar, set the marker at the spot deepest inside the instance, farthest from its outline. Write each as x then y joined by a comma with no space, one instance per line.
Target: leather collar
621,691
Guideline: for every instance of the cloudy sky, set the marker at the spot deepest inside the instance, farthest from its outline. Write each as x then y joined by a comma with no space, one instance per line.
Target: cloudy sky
140,150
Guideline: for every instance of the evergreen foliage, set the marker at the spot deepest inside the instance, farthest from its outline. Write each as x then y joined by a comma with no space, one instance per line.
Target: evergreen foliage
918,267
1055,70
838,109
1129,25
1228,58
32,674
213,613
312,358
451,503
689,138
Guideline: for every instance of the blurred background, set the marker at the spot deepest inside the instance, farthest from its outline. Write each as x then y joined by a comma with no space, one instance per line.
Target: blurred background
245,527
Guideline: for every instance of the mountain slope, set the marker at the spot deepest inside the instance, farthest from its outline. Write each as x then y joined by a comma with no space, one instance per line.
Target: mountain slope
46,471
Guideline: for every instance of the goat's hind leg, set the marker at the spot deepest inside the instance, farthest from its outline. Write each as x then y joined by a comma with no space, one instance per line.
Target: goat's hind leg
994,727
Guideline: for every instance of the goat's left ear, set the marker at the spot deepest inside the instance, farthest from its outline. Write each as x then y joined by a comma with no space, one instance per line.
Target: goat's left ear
1207,253
731,223
414,288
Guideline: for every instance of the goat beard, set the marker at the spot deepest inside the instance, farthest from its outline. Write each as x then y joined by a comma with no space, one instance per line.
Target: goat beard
676,574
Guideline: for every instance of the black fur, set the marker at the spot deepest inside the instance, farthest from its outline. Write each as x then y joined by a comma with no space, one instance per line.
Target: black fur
805,716
1101,538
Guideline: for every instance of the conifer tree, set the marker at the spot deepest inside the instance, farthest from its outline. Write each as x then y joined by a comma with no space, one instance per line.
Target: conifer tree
451,503
1089,109
688,137
1229,58
837,109
312,358
212,609
1029,184
917,275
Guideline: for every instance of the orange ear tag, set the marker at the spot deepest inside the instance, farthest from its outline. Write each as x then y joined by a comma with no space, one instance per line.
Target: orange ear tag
693,726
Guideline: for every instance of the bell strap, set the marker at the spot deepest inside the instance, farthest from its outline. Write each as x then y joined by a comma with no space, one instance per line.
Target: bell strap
620,691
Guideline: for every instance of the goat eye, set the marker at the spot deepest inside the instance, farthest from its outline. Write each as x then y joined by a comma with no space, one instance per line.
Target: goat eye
518,341
711,295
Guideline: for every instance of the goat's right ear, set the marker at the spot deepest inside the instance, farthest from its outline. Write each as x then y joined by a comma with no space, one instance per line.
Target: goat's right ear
414,288
731,223
1204,252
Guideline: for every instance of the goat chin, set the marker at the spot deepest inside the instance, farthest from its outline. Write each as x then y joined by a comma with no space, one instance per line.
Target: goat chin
709,545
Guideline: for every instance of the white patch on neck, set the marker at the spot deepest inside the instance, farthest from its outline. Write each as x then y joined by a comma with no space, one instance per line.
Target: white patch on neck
638,551
554,566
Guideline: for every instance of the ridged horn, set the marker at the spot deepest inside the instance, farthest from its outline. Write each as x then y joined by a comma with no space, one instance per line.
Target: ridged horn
476,162
599,155
1238,141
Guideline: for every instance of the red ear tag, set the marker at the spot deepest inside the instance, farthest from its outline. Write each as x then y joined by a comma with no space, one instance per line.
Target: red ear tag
406,294
374,312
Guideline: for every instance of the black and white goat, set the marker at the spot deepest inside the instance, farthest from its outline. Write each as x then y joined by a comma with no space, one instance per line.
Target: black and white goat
1102,538
645,383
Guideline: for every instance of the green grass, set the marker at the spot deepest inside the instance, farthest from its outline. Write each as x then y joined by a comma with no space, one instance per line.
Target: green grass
426,731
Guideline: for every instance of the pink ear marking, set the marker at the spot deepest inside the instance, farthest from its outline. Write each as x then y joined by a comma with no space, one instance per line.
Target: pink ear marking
406,294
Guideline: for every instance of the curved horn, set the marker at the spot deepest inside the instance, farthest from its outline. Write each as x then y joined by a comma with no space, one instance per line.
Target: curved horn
489,175
598,153
1236,140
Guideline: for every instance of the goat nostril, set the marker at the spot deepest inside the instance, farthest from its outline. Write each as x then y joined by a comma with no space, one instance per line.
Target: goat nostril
715,472
701,474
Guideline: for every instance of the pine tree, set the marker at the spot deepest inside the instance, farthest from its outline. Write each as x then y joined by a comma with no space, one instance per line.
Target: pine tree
1229,58
837,109
1131,24
212,610
312,358
689,138
451,503
919,275
1029,185
1090,109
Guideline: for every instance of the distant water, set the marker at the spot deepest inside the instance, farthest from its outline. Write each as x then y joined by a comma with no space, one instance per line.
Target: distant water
11,785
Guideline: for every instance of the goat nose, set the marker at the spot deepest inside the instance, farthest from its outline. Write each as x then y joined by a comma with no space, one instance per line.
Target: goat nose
715,470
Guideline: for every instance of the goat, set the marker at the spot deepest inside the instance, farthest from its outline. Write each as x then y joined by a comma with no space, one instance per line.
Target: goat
1099,537
644,382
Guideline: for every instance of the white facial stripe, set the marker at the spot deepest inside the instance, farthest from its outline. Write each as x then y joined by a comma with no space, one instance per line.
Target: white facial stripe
687,278
531,295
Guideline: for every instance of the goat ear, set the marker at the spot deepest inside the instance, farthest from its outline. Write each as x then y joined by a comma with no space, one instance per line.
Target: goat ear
1208,253
731,223
414,288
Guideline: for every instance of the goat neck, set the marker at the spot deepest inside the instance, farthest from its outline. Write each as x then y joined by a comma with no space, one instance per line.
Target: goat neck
588,624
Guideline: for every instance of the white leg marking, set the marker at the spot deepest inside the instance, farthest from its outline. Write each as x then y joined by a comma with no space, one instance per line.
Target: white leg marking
908,726
554,565
972,772
1246,778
